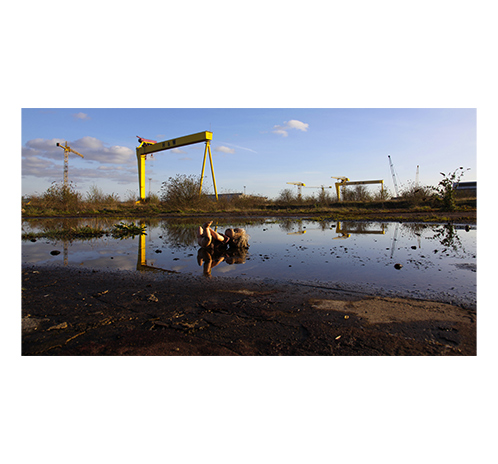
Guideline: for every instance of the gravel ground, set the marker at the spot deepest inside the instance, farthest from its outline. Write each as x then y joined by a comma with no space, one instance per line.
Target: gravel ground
72,311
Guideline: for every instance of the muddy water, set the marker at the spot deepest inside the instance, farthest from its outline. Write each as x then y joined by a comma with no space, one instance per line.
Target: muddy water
437,260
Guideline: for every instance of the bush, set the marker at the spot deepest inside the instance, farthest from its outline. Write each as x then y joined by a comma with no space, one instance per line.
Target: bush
96,197
324,197
182,191
287,197
60,196
446,188
152,199
416,194
359,193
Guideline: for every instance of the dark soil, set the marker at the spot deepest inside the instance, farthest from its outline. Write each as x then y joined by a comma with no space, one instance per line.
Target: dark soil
68,311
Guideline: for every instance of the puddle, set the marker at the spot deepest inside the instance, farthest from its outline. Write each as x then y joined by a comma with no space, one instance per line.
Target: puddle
438,260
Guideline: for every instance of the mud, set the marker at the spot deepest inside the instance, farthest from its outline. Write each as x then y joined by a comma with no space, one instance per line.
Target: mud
70,311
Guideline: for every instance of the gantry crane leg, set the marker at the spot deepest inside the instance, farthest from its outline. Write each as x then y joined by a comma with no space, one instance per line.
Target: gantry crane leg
141,175
206,151
338,190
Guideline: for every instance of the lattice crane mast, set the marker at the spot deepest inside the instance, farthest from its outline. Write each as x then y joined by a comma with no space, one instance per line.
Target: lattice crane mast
394,176
67,149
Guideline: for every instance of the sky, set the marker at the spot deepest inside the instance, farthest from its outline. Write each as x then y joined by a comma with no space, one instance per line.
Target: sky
255,150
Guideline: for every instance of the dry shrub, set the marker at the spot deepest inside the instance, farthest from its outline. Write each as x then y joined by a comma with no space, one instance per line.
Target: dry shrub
417,194
182,191
62,197
97,198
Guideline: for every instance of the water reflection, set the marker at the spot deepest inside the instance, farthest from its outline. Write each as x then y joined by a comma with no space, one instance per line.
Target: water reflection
211,257
434,256
344,229
447,236
179,235
142,257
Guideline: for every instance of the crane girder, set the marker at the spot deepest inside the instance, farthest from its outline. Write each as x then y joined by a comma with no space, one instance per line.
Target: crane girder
362,182
205,136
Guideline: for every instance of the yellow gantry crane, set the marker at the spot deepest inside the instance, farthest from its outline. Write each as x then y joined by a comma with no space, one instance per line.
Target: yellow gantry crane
147,147
299,187
67,150
343,181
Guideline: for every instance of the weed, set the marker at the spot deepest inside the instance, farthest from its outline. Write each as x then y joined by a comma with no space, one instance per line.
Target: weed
123,230
446,188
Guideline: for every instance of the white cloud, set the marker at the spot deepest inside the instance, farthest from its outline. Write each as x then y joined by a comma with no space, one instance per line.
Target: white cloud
82,116
110,168
36,166
292,124
280,131
223,149
91,148
94,150
295,124
241,148
43,159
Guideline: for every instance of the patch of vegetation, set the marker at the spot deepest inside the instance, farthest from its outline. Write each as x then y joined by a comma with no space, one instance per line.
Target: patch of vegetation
84,232
446,188
182,191
180,198
123,230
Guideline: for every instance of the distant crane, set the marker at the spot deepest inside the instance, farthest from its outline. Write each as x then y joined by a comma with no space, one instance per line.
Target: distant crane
323,187
394,176
299,186
343,181
67,149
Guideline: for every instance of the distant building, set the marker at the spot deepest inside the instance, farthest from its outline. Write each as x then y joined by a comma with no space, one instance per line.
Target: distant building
466,188
226,196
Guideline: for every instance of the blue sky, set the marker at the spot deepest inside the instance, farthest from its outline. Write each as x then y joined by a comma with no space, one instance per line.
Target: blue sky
256,150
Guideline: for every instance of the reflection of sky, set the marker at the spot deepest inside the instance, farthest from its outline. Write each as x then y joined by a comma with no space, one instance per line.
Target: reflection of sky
431,259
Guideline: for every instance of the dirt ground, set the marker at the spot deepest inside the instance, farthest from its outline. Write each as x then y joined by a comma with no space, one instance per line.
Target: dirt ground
69,311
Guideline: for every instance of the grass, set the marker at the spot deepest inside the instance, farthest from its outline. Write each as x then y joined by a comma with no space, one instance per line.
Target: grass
353,209
60,201
81,233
